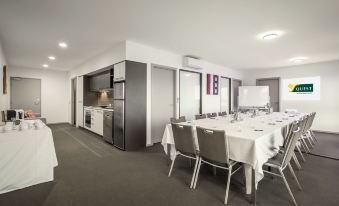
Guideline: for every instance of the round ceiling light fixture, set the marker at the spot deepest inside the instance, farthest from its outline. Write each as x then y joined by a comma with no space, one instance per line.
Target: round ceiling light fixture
63,45
51,57
270,35
45,65
298,60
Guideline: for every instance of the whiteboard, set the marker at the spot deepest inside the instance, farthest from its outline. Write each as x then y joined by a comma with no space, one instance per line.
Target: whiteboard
253,96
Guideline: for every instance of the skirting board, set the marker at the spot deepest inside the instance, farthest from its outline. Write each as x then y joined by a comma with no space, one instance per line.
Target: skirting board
328,132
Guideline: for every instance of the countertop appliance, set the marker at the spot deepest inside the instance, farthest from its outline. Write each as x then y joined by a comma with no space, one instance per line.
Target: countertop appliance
88,118
108,126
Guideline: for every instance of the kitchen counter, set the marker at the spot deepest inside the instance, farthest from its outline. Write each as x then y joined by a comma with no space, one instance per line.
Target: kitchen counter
98,108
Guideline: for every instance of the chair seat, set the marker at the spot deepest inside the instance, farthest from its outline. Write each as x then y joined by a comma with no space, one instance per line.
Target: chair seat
276,160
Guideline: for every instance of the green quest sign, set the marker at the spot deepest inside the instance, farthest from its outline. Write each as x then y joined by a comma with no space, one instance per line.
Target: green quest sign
306,88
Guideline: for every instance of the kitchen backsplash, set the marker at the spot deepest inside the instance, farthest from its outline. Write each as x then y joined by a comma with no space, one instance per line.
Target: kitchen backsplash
105,98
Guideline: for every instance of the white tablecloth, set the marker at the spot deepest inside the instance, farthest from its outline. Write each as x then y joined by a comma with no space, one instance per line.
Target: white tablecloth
253,148
26,158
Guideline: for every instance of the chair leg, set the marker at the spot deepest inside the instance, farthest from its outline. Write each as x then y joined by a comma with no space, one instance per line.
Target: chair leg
294,176
313,135
307,150
309,140
195,171
301,154
296,161
228,183
214,171
169,174
288,187
197,174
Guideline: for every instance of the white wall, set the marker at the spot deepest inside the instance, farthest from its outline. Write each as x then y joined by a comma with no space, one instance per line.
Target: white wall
54,91
150,55
4,98
327,118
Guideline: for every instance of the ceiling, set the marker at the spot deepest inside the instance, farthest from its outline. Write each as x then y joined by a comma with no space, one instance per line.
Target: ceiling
220,31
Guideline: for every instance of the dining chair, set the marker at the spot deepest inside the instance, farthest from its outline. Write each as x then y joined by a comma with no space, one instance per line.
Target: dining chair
175,120
292,127
282,160
310,131
222,114
200,116
302,141
184,144
209,115
306,133
214,151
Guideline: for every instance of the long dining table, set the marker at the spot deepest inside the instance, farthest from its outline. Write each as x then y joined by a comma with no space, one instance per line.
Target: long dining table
252,140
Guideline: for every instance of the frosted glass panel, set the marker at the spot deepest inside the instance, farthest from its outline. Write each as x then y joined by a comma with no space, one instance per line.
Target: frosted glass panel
224,94
190,90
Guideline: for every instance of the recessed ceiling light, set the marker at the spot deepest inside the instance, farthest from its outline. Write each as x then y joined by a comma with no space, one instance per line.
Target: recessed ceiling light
269,35
51,57
45,65
297,60
62,45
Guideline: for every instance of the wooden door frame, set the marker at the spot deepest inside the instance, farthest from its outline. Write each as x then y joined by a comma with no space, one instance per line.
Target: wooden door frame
272,78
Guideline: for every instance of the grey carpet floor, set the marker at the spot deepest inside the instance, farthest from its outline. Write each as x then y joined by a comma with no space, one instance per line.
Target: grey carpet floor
93,173
327,145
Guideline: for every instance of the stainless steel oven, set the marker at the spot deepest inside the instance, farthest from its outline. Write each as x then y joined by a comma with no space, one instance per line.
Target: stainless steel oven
88,118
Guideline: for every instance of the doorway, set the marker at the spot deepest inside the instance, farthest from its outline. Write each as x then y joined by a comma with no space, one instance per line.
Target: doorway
236,84
21,99
273,84
162,99
73,101
225,94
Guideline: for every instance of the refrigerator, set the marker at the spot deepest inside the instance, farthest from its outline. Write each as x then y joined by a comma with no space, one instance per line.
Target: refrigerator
129,105
119,115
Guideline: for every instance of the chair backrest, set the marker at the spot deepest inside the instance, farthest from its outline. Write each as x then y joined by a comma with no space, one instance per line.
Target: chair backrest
213,145
200,116
211,114
310,122
304,124
222,113
290,147
292,127
175,120
184,139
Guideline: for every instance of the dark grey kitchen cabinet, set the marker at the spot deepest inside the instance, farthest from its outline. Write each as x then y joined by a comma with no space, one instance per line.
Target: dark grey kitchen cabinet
100,81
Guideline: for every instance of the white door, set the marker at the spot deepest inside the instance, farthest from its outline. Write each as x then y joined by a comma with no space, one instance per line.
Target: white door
190,94
163,100
224,94
80,102
26,94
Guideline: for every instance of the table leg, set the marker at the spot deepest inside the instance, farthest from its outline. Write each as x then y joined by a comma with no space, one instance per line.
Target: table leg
253,189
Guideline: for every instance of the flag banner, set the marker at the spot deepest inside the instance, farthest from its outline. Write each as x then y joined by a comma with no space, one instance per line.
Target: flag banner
212,82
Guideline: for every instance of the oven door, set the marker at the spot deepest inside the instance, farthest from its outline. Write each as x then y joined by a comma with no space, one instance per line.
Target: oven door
88,119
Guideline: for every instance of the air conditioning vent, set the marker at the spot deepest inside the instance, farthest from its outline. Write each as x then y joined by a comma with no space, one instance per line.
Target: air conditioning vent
192,63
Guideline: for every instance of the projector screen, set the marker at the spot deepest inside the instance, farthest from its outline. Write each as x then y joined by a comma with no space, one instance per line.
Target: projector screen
307,88
253,96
